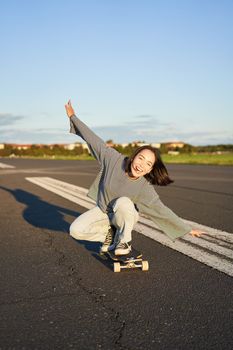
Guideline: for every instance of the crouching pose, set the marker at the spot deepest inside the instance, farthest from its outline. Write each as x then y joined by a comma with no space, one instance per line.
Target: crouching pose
123,189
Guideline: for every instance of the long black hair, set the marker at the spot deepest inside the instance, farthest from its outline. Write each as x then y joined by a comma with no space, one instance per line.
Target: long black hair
158,174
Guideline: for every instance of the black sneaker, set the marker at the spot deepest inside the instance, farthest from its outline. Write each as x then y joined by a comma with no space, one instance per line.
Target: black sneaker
109,239
123,248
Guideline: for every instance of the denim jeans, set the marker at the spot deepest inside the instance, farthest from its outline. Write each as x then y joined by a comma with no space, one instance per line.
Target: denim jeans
94,224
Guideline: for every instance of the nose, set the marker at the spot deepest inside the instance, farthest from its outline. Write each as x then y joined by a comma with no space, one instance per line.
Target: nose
142,164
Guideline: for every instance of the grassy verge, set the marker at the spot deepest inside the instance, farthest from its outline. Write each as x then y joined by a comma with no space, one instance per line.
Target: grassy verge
80,157
214,159
56,157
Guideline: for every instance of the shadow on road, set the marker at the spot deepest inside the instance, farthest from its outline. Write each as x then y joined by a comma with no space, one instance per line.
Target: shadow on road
44,215
40,213
93,247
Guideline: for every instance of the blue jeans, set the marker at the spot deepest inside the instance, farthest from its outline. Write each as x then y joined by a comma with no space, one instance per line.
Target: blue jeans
94,224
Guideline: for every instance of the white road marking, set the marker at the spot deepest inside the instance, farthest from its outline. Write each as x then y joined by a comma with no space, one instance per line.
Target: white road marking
215,248
4,166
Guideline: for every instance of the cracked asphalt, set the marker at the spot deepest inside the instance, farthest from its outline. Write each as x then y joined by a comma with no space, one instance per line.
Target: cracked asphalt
57,293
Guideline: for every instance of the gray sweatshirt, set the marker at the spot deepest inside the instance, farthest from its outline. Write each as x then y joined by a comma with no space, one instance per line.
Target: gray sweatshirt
113,182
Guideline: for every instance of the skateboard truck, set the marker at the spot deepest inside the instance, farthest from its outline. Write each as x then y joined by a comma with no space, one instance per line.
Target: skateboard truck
133,260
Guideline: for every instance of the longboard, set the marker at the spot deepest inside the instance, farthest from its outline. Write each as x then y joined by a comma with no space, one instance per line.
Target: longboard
133,260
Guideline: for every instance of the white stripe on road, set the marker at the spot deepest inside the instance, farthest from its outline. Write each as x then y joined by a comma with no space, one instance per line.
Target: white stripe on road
213,255
4,166
73,193
215,248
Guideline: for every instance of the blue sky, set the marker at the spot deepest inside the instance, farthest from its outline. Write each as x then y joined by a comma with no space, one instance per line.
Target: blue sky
153,71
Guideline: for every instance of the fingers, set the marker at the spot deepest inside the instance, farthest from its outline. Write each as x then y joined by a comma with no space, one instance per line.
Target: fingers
68,104
197,233
69,109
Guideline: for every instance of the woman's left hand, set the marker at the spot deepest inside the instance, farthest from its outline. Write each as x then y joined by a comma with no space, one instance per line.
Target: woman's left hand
69,109
196,233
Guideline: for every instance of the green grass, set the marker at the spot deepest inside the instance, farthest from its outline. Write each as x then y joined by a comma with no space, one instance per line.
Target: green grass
192,158
80,157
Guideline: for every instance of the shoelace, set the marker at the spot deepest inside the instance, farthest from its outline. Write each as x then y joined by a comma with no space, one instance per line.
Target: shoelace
108,238
122,245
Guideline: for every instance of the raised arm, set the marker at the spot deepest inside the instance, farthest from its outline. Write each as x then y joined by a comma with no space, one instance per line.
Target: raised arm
96,145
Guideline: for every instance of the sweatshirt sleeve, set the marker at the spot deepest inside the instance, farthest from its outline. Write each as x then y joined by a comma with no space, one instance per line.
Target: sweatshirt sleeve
96,145
165,218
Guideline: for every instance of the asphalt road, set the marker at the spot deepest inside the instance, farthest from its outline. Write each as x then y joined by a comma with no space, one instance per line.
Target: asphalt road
56,293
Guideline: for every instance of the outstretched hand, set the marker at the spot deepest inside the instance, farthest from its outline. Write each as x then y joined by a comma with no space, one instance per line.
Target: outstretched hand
69,109
196,233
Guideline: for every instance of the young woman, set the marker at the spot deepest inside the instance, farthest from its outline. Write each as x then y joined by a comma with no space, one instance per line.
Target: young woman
123,189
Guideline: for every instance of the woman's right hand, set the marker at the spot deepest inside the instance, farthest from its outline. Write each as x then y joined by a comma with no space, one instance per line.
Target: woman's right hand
69,109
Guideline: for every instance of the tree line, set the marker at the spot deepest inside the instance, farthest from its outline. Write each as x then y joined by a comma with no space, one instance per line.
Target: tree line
59,150
42,151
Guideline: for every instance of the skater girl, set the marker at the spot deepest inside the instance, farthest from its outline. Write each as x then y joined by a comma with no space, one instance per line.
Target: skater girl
124,188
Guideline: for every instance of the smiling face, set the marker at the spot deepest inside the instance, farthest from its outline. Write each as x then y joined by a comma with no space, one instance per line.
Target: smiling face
142,163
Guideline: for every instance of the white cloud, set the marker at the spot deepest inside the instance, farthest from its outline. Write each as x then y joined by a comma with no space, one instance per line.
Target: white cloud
9,119
146,128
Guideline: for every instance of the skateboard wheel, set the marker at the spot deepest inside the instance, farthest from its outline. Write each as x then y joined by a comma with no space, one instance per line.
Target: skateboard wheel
117,267
145,265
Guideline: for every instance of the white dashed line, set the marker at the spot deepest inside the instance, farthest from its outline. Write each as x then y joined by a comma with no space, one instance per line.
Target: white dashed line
6,166
215,248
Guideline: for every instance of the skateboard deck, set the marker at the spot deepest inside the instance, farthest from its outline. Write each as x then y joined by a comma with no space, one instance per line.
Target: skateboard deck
133,260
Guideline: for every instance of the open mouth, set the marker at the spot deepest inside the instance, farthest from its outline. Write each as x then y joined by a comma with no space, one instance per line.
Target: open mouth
138,170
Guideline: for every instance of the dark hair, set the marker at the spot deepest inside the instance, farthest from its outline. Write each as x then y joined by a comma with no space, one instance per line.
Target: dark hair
158,174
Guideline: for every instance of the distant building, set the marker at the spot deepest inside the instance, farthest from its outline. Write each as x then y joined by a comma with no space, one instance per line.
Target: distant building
72,146
2,145
156,145
20,146
175,144
123,145
140,144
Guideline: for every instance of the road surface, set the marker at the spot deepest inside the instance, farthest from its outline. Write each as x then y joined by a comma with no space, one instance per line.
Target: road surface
56,293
